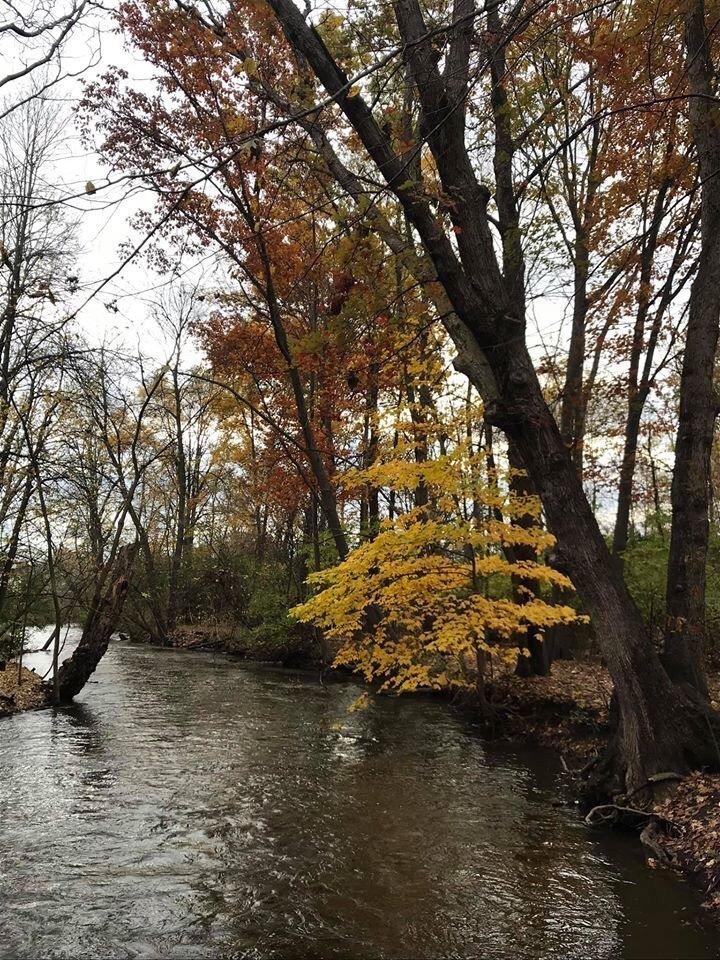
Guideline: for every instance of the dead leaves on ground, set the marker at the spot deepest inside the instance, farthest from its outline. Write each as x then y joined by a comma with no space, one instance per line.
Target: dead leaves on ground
29,694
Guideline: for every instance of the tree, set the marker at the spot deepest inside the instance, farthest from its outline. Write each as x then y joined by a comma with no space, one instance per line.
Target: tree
429,178
100,624
683,650
659,727
35,35
185,421
37,242
424,604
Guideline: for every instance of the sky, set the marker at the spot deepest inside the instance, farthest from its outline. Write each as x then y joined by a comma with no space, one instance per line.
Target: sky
110,305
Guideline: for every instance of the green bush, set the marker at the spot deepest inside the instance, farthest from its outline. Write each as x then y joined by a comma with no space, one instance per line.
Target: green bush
646,560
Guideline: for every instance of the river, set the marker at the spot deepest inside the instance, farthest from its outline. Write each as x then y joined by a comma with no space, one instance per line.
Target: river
192,806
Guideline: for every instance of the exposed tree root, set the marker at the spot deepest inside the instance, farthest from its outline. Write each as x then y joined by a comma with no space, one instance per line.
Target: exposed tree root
652,837
612,814
631,769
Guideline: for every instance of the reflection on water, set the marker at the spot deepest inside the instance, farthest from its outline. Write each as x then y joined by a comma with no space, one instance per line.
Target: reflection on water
187,806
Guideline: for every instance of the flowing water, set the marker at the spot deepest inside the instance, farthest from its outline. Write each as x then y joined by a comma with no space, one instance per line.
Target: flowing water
190,806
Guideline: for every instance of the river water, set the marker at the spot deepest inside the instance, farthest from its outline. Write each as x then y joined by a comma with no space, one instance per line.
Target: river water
190,806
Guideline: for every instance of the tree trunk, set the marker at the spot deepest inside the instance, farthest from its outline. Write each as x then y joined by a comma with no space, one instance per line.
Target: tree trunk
418,402
101,623
638,385
181,476
534,656
660,727
370,503
11,547
690,493
572,410
627,475
325,490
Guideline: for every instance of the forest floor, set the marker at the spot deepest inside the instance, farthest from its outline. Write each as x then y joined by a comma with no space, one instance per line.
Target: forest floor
29,694
569,711
293,648
203,636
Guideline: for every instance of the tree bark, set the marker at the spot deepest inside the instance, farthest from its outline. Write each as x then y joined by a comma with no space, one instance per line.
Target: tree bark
370,502
176,557
627,474
534,658
572,410
690,493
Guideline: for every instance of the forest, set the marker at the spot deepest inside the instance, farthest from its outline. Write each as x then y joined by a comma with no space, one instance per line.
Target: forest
358,388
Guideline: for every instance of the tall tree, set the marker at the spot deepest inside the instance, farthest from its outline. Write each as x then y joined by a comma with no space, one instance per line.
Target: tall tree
447,206
659,727
683,650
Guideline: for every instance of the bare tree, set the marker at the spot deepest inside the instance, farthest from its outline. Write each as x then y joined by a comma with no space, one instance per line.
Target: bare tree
35,35
36,255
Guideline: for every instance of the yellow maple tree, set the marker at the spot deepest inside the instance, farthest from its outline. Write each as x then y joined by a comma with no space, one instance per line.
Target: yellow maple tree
418,605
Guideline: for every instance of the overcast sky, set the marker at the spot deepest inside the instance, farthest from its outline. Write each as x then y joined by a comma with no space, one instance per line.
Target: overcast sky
105,218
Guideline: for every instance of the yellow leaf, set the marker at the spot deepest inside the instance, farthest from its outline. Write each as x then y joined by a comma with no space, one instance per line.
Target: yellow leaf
362,703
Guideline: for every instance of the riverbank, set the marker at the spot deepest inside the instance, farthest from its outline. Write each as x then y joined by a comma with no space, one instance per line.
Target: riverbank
21,690
568,711
296,647
694,845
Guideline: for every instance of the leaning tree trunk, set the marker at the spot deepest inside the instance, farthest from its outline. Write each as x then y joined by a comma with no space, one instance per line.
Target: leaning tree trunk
690,494
101,623
660,727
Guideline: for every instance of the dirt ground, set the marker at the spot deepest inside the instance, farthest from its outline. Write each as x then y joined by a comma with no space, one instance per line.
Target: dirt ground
567,710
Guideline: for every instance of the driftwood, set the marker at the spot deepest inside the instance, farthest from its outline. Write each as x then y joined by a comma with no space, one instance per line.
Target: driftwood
614,814
49,642
102,619
654,829
653,837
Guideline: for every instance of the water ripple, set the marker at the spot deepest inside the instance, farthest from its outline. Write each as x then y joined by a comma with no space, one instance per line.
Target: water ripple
189,807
